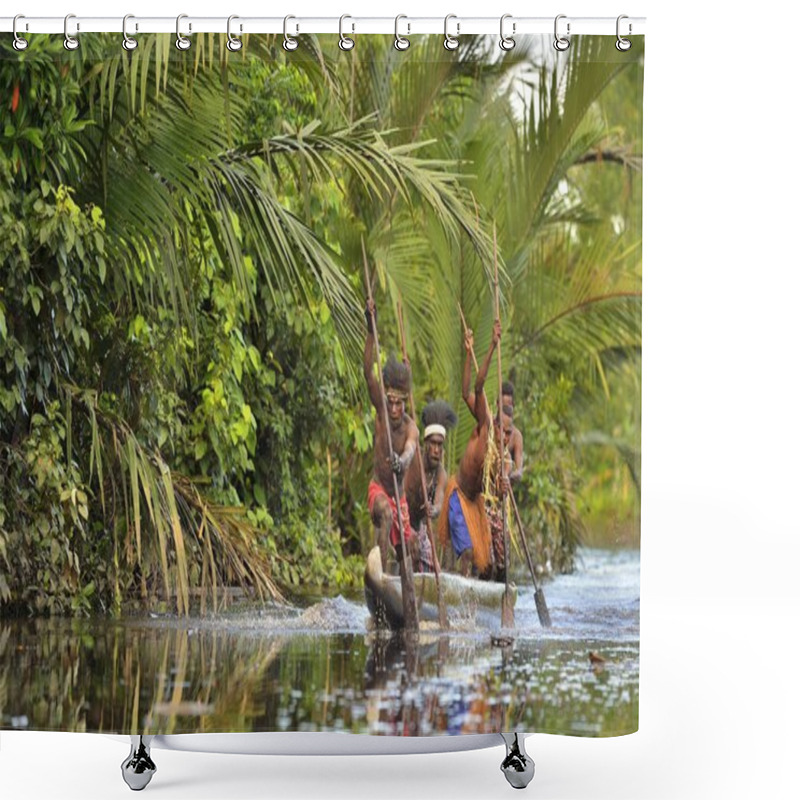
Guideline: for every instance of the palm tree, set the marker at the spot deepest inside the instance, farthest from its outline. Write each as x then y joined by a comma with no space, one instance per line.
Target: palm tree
520,127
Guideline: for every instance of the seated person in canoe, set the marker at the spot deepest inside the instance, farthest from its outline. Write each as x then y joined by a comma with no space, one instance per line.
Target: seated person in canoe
437,419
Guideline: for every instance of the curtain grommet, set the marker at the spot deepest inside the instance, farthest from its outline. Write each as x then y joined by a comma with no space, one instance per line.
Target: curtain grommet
234,43
451,42
623,44
561,43
19,44
181,41
70,42
289,42
507,42
401,43
129,43
345,42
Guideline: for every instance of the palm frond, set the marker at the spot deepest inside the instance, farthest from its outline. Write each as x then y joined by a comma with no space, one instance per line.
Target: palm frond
171,531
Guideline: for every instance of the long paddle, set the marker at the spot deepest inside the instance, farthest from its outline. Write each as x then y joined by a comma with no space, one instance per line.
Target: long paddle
538,593
443,622
410,612
507,612
507,605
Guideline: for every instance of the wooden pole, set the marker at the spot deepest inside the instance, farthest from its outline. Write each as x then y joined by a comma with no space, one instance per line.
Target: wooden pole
443,622
538,592
507,612
410,611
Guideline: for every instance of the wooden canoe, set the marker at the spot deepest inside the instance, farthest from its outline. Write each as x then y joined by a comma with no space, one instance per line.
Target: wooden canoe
385,600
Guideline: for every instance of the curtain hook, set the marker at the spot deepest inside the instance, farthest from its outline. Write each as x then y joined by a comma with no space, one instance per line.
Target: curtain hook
451,42
19,43
560,42
128,42
289,42
234,43
401,42
181,42
507,42
70,42
345,42
623,44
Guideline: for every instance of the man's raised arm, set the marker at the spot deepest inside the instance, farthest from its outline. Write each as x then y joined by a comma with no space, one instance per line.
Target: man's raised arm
481,412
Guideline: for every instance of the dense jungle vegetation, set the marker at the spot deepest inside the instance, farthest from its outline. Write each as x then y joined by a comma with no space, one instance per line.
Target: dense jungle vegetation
182,408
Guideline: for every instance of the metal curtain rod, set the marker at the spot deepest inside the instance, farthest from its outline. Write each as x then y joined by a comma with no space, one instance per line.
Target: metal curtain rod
407,26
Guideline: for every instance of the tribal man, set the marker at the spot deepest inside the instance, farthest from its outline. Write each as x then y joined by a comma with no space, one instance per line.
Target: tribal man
495,494
497,487
464,524
514,445
389,463
437,419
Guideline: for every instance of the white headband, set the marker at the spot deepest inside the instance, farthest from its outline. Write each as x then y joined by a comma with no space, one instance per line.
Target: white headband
431,429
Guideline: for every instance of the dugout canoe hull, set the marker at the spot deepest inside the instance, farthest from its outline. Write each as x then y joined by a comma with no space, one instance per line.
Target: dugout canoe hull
384,595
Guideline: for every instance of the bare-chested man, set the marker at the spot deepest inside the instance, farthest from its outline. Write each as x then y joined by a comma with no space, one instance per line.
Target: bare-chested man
511,438
437,419
499,487
464,526
389,463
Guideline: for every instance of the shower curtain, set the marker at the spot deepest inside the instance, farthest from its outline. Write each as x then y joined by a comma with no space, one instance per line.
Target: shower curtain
229,277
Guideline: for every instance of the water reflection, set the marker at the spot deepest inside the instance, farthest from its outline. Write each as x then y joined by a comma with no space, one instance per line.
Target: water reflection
140,677
319,669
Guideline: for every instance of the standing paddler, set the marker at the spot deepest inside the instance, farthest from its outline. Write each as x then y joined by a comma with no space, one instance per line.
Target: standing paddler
497,485
463,524
390,465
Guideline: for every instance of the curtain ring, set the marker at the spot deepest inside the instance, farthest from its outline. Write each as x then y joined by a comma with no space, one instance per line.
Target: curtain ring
234,43
401,42
289,42
128,42
70,42
19,43
451,42
507,42
623,44
560,42
345,42
181,42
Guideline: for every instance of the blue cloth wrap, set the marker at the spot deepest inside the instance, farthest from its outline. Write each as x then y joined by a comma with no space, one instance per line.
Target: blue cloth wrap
459,532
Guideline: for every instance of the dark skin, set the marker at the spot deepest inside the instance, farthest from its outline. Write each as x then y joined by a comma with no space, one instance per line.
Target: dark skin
470,470
511,475
435,474
387,464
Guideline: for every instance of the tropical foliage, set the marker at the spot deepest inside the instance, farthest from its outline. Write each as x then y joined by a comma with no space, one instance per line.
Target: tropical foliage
181,285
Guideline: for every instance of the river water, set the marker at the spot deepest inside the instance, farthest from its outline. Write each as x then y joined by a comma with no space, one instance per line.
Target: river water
322,669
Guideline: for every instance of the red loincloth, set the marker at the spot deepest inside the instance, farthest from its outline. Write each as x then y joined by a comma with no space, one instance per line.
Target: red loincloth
375,491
